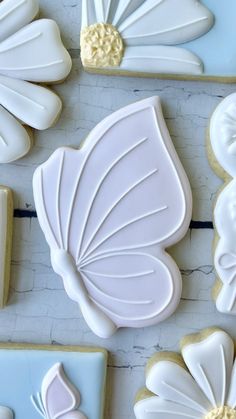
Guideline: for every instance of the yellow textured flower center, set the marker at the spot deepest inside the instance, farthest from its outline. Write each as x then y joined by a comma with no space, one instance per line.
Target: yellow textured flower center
223,412
101,46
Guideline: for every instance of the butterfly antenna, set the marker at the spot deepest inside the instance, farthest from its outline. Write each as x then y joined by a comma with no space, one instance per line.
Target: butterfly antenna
40,403
37,406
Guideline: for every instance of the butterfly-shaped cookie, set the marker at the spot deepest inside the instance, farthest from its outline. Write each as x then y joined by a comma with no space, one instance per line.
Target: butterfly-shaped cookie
109,210
58,397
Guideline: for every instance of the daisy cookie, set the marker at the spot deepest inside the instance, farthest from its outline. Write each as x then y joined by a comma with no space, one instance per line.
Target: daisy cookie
109,210
30,53
164,38
52,382
222,156
200,384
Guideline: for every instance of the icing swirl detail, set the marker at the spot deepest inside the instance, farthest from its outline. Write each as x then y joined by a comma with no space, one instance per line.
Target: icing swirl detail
101,46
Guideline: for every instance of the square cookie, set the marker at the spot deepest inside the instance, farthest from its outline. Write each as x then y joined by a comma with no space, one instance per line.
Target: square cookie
52,381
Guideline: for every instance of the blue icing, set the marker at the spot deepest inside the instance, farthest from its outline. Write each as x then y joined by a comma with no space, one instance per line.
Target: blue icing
217,48
22,372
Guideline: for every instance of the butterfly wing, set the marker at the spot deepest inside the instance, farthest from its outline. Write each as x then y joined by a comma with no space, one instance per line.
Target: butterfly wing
114,206
59,397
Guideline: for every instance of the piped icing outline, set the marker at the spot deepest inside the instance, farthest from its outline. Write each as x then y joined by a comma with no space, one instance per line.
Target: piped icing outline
222,139
20,99
24,367
105,249
58,397
150,31
191,386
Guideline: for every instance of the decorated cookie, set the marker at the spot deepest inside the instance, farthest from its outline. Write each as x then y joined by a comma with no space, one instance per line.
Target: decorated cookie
109,210
29,52
222,155
52,382
200,384
160,38
6,223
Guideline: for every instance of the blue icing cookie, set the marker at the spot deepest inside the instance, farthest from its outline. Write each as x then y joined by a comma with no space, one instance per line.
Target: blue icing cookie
38,383
190,38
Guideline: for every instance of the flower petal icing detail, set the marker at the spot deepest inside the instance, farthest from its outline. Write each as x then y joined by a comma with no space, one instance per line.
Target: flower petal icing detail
35,105
124,9
202,358
209,392
155,23
161,59
14,14
14,139
51,63
161,380
156,407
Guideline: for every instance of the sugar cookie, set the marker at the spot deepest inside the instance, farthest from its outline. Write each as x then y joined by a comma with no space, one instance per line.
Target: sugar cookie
52,382
20,65
109,210
198,385
6,224
160,38
222,156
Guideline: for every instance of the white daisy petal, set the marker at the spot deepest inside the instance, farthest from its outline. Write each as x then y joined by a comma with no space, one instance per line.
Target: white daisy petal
14,14
231,400
88,13
157,408
210,362
154,22
124,9
35,105
103,9
14,139
160,59
172,382
35,53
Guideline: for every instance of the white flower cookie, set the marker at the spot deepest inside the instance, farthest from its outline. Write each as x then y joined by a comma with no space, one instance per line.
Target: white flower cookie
109,210
222,156
199,385
143,36
29,52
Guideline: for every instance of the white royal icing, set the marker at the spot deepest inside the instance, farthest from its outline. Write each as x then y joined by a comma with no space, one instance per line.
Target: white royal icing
223,141
150,30
6,214
58,397
6,413
109,210
32,104
201,392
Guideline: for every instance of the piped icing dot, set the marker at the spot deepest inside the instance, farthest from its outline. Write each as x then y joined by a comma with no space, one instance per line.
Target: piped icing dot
223,412
101,46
